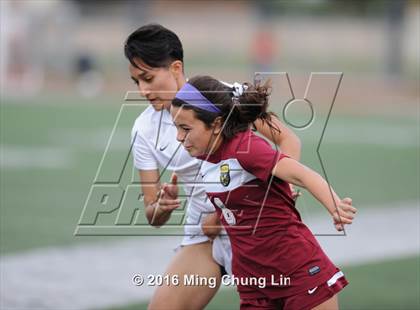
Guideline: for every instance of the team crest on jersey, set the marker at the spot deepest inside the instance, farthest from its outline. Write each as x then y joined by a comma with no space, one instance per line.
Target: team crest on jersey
224,174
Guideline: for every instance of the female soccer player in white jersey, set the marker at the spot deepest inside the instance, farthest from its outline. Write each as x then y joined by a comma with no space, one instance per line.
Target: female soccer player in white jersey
156,66
276,261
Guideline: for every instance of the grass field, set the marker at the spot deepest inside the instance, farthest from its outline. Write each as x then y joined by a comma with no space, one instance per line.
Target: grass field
50,154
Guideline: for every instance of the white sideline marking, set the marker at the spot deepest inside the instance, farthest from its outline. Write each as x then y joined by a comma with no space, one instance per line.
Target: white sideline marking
24,157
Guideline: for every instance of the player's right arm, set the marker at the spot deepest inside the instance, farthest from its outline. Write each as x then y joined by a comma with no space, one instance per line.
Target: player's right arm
159,202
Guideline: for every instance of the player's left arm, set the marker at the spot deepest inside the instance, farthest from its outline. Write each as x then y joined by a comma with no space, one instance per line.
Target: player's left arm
291,171
285,138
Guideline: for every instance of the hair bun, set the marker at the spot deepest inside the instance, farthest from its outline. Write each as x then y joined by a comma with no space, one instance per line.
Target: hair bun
254,101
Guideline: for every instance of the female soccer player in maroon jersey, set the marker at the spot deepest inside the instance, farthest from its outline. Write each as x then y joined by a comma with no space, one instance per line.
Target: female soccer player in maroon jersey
277,262
156,66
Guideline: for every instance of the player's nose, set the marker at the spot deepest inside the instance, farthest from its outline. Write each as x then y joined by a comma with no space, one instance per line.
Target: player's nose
180,137
144,89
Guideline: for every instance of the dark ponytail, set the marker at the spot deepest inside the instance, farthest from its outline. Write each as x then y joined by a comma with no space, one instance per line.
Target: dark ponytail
253,103
237,112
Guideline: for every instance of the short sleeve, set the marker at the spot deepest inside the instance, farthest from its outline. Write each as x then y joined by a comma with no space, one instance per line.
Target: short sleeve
142,154
258,157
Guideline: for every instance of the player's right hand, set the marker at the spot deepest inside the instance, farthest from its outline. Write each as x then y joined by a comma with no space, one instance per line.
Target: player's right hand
168,196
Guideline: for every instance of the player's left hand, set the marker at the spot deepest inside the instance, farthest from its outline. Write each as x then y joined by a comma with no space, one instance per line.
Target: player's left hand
344,214
211,225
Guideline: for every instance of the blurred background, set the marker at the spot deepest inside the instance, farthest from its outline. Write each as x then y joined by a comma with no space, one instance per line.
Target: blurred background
63,82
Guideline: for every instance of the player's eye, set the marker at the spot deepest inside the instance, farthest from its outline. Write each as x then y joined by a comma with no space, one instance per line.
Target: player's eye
148,79
135,82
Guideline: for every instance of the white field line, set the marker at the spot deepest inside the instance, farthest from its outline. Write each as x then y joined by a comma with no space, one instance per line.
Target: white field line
24,157
99,275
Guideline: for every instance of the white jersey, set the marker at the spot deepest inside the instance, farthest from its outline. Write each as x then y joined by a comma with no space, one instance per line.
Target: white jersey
155,147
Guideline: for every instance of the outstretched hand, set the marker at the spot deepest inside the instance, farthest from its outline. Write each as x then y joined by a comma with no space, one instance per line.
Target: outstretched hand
344,214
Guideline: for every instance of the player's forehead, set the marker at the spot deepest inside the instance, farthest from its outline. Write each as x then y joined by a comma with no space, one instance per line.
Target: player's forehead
138,67
182,116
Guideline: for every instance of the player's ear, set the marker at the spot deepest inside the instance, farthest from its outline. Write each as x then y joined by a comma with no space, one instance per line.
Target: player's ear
217,125
176,67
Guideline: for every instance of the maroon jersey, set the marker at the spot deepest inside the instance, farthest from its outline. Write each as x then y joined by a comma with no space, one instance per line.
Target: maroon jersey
267,235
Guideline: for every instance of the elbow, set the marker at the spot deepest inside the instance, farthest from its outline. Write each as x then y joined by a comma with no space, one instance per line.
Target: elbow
297,142
153,223
291,145
297,148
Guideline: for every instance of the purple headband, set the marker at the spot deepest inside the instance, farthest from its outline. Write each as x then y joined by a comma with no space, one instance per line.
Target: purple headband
192,96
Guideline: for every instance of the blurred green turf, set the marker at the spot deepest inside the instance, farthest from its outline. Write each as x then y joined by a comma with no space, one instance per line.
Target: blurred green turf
41,206
388,285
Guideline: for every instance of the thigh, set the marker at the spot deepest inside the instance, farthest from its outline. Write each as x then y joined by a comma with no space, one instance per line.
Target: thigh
330,304
261,304
192,262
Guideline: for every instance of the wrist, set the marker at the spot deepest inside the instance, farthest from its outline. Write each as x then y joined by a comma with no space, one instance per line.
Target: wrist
153,213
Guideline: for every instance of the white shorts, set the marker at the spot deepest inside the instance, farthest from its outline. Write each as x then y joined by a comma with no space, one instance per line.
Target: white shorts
221,248
193,235
222,251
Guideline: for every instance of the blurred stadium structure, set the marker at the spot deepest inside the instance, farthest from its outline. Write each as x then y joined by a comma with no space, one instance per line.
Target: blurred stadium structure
45,43
63,77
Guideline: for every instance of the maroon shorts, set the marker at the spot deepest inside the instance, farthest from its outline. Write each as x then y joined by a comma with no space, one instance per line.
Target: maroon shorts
303,301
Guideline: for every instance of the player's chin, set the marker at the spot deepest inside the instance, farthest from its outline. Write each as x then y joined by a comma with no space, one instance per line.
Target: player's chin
192,151
157,106
160,104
